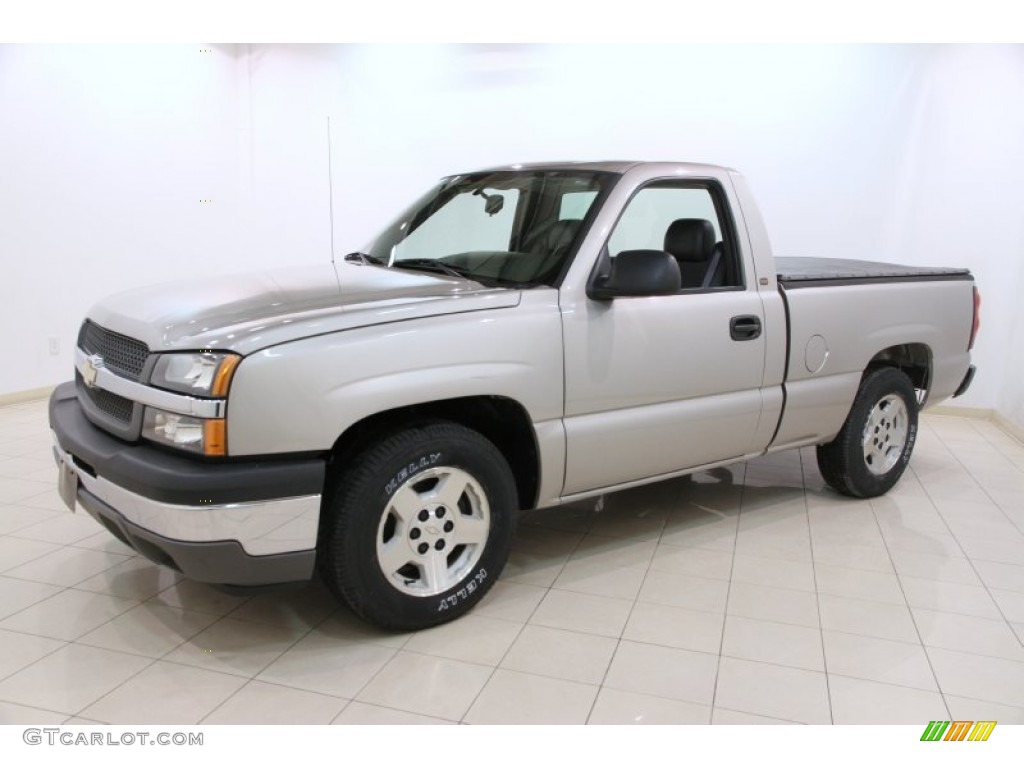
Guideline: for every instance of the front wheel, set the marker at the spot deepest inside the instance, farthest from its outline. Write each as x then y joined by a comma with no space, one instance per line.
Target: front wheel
872,450
419,526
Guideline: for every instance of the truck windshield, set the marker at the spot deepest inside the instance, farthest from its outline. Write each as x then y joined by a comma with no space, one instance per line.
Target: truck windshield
498,228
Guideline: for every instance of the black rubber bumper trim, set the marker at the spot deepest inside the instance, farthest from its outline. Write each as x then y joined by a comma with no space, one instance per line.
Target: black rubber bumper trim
172,479
966,383
223,563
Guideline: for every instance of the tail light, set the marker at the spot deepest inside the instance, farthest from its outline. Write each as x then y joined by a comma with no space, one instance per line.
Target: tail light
976,323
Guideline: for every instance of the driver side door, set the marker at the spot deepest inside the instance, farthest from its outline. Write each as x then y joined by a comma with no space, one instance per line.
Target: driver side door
658,384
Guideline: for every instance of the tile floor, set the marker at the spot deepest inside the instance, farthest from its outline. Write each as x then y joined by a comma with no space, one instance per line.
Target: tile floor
742,595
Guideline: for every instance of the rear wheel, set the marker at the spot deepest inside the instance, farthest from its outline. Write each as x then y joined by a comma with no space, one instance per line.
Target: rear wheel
419,526
871,452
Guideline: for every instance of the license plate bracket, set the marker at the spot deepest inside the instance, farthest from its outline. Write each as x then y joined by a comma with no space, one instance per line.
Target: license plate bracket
67,483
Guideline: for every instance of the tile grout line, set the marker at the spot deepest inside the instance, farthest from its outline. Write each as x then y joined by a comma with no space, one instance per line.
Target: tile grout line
622,632
817,595
547,591
250,682
73,641
494,668
138,603
153,661
65,715
36,661
728,594
899,581
6,571
981,486
969,559
163,658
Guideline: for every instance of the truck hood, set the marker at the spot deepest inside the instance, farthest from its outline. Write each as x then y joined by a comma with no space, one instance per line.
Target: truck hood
245,313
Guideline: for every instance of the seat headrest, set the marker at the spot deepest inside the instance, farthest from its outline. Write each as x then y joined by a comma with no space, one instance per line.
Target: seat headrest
690,239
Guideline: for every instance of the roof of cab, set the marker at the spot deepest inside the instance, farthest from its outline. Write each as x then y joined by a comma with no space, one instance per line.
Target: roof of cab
610,166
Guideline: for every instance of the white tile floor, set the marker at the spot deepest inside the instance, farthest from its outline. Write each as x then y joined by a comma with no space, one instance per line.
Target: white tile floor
743,595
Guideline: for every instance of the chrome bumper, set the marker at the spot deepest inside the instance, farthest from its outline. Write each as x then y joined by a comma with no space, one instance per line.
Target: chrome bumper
270,527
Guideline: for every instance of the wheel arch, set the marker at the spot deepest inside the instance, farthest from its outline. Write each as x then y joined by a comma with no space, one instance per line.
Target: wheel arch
502,420
914,359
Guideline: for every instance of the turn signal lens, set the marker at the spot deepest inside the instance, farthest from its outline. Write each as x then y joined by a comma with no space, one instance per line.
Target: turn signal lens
188,433
206,374
222,379
215,440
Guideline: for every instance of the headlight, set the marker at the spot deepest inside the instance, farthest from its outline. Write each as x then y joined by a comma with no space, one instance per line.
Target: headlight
204,374
205,436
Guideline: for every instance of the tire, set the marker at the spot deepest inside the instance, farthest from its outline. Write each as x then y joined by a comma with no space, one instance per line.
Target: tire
872,450
419,526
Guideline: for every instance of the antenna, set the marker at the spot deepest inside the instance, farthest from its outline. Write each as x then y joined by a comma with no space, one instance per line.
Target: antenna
330,185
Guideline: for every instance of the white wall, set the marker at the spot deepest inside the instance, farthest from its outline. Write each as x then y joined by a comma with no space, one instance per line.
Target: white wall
899,153
105,153
962,199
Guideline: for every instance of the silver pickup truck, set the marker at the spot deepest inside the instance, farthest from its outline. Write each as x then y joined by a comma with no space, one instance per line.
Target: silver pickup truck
518,338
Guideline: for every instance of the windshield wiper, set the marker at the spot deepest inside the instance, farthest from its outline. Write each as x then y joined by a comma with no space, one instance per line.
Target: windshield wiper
365,258
434,265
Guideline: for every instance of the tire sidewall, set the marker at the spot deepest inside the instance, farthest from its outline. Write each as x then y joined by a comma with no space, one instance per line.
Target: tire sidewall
359,520
882,383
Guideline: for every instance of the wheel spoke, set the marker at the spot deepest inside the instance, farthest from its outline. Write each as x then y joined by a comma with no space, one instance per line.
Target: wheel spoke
470,530
898,435
393,555
434,571
449,490
406,503
873,457
876,418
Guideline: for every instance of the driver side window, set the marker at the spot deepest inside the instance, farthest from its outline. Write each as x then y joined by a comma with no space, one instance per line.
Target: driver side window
683,221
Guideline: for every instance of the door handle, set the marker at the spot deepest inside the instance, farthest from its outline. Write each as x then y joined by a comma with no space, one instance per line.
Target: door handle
745,327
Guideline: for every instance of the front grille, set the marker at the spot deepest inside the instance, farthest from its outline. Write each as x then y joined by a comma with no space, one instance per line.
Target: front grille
123,355
115,406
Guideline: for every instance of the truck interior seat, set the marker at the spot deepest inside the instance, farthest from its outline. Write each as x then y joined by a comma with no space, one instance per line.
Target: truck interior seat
692,242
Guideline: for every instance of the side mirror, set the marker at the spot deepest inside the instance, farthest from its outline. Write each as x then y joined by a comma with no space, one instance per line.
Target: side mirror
639,273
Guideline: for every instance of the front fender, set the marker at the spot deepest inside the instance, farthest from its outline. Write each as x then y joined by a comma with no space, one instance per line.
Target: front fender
302,395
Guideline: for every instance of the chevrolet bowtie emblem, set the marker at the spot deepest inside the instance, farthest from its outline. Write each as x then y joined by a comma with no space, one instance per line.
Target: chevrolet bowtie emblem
90,370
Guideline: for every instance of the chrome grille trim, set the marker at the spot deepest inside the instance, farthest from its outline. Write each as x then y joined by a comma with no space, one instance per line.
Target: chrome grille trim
125,355
158,398
113,405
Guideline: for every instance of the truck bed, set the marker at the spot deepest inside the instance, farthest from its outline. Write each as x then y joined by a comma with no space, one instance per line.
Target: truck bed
804,272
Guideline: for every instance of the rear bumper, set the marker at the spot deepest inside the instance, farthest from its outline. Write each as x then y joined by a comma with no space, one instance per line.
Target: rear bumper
243,523
966,383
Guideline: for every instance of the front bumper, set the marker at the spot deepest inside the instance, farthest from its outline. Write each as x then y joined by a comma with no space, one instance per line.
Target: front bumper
241,523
